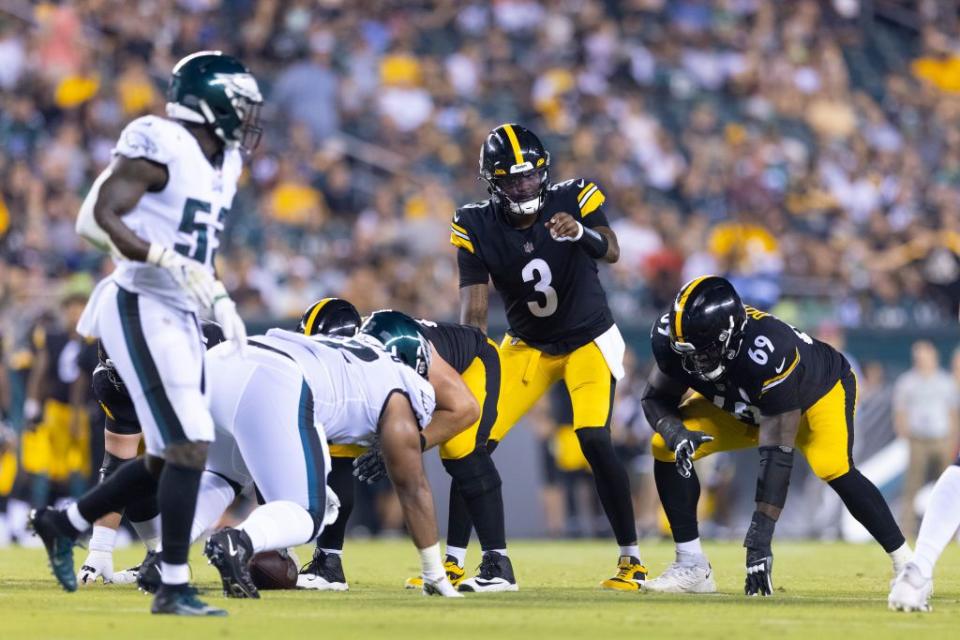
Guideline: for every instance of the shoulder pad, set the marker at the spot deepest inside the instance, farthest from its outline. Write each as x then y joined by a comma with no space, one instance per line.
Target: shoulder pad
464,220
150,137
586,192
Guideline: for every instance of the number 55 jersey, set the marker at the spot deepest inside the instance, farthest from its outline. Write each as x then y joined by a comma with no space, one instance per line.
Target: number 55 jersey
186,215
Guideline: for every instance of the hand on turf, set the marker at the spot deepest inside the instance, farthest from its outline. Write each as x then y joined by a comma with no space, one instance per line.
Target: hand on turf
440,587
564,227
225,313
99,564
369,466
759,575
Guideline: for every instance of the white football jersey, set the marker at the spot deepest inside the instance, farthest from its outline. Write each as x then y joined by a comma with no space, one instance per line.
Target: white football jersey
352,380
187,215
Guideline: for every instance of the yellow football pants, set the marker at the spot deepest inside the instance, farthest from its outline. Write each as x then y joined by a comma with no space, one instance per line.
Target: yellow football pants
482,377
825,437
51,449
527,373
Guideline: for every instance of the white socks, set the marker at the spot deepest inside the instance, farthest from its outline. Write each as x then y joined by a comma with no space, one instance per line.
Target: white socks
940,522
900,557
76,520
103,539
632,550
459,553
431,567
691,553
214,497
278,525
336,552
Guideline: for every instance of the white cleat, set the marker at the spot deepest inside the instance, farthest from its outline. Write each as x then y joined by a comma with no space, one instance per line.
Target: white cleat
683,578
910,591
319,583
127,576
441,587
99,564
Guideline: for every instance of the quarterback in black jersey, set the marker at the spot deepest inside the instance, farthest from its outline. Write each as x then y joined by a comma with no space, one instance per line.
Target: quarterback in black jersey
539,243
754,381
475,488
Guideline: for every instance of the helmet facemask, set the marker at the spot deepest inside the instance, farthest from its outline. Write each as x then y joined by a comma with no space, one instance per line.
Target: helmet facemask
709,362
245,100
523,193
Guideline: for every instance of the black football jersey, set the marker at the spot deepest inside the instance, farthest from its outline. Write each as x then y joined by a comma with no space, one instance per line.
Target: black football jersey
778,369
66,357
458,344
552,292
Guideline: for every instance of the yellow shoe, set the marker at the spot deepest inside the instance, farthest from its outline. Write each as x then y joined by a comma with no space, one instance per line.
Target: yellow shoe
630,576
455,574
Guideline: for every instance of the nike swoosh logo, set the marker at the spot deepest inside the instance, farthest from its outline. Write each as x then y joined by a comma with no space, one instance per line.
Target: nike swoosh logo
230,548
456,216
780,368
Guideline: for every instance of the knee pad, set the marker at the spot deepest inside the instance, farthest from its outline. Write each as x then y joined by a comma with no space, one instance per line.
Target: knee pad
110,465
475,474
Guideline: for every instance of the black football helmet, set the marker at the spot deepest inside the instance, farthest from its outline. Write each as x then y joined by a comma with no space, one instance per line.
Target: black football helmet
706,326
212,333
515,166
330,317
400,335
219,92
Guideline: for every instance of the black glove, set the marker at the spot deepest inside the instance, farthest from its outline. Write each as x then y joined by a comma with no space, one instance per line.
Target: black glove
759,580
369,467
683,442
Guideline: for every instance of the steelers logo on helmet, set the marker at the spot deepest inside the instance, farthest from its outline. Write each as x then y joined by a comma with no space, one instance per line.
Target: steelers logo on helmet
399,335
330,317
706,326
515,165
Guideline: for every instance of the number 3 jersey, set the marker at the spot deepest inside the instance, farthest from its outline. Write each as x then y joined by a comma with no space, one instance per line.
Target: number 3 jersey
552,292
778,369
186,215
351,382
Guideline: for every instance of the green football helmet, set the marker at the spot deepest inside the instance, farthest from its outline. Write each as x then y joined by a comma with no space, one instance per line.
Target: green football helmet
219,92
400,335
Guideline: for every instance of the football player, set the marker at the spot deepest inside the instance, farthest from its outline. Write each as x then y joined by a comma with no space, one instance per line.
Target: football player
756,382
540,244
158,209
475,488
287,398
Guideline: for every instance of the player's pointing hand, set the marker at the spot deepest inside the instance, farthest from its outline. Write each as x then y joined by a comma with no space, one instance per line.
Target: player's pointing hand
564,226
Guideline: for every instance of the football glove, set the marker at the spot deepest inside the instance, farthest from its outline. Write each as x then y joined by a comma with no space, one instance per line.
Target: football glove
225,313
99,564
683,442
759,575
192,276
369,466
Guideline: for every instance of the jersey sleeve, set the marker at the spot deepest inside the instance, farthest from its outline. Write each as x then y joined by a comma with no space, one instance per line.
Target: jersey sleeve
146,138
777,367
590,199
421,395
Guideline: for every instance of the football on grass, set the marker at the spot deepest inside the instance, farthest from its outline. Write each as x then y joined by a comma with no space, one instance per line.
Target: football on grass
273,570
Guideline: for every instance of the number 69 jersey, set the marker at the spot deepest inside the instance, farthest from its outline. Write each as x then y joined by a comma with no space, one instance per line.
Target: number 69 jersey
351,382
778,369
186,215
552,293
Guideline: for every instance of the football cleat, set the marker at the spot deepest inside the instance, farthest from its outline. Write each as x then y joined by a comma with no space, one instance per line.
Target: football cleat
230,551
126,576
494,574
683,578
911,591
455,574
182,600
148,573
99,564
58,543
630,575
323,573
441,587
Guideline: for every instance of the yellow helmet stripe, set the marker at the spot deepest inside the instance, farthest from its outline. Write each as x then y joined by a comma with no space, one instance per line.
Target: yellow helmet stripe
681,303
512,136
308,325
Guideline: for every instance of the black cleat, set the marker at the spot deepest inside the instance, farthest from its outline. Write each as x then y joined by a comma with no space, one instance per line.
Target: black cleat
148,573
230,551
323,573
495,574
182,600
59,540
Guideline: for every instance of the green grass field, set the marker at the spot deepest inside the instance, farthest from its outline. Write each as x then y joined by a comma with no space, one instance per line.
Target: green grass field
823,591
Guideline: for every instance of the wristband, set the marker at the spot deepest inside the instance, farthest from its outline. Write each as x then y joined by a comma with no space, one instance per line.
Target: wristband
760,534
594,243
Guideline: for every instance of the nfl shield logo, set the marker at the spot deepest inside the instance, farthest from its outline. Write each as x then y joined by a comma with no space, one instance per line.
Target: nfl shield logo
528,247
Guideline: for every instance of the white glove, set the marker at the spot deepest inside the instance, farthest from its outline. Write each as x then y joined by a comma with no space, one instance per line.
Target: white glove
441,587
99,564
192,276
225,313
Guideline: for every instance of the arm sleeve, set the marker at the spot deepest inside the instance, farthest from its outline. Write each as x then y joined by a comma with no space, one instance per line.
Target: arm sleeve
472,269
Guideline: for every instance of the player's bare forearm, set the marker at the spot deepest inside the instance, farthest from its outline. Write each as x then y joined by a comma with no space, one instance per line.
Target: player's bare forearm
613,245
400,445
456,407
474,303
128,181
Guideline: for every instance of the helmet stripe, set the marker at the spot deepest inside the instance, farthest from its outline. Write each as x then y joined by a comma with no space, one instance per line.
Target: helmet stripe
308,326
512,136
681,303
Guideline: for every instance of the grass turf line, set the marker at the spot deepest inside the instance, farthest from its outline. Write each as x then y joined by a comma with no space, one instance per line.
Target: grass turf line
823,591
